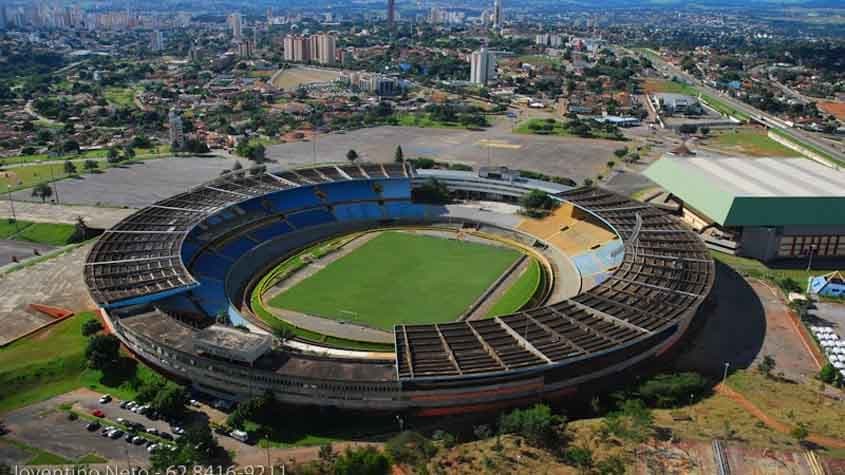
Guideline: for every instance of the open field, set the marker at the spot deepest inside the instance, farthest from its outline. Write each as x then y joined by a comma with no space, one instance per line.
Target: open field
425,120
519,293
752,142
755,268
400,278
42,233
120,96
836,109
302,75
652,86
497,145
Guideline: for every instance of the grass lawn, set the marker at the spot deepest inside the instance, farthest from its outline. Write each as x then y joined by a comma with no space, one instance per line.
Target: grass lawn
659,85
519,293
536,126
752,142
792,403
120,96
400,277
54,234
52,362
425,120
755,268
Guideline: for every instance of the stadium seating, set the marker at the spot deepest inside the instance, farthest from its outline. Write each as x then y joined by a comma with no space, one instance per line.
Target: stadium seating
395,189
359,211
309,218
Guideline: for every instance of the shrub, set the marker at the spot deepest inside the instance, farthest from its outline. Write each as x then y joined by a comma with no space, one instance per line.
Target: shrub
671,390
828,373
537,424
366,461
91,327
410,448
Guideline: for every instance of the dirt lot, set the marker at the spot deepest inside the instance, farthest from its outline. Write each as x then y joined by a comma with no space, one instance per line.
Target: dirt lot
564,156
295,77
748,322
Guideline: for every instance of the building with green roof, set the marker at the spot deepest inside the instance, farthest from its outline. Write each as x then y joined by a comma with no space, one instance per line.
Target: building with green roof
767,208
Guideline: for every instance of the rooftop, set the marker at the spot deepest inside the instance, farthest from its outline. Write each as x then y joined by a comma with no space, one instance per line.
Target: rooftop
761,191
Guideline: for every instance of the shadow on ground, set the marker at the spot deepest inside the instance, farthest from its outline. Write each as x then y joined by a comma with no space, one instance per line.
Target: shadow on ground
732,330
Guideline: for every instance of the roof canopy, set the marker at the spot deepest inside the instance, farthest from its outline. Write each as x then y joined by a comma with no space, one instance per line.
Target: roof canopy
755,192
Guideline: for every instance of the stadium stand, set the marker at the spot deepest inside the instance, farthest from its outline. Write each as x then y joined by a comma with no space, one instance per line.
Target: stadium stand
652,274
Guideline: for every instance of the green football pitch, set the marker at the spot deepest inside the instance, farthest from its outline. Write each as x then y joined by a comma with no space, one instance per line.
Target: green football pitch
399,277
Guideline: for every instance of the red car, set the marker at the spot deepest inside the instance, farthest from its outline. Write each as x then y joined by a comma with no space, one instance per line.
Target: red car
97,413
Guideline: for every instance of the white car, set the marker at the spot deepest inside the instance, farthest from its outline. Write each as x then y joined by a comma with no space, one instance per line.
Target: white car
105,398
152,448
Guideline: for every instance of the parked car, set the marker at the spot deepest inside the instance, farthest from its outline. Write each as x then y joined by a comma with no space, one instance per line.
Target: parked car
165,436
194,402
116,434
124,404
105,399
120,420
152,447
139,440
239,435
92,426
152,430
178,430
98,413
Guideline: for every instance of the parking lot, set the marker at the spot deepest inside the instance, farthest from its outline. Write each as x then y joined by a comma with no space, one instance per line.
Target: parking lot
47,427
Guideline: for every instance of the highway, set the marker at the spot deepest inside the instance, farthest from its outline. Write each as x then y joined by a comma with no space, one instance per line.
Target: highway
774,122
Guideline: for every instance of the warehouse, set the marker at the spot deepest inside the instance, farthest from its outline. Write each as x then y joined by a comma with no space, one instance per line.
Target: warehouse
764,208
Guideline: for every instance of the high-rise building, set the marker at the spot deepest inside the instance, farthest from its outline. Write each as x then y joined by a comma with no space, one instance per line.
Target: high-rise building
326,49
235,22
177,136
156,40
320,48
498,20
482,66
4,21
391,13
246,49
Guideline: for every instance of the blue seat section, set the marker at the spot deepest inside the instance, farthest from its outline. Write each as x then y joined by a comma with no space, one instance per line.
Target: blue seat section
211,296
313,217
358,211
236,248
296,198
397,188
349,191
208,264
189,248
270,231
599,260
405,210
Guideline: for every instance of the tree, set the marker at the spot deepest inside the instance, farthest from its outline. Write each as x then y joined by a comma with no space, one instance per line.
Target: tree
828,373
399,155
800,433
113,155
70,146
128,152
621,152
537,201
352,155
70,168
432,192
198,447
580,457
91,327
170,400
364,461
42,191
537,424
90,166
102,351
80,230
410,448
767,365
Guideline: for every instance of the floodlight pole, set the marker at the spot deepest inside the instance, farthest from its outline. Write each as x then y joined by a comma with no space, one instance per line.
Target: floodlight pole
725,375
12,206
810,260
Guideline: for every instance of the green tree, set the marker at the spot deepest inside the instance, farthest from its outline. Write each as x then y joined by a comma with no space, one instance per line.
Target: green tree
621,152
828,373
113,155
767,365
364,461
102,352
70,168
800,433
90,166
91,327
42,191
170,400
410,448
352,155
537,424
129,152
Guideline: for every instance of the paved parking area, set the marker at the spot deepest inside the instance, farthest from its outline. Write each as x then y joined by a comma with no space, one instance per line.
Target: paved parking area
564,156
46,426
20,249
136,185
57,281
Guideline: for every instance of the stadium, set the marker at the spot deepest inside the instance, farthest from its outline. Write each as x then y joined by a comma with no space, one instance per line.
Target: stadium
343,286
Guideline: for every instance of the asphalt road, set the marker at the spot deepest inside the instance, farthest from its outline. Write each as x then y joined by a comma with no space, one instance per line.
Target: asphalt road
771,120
